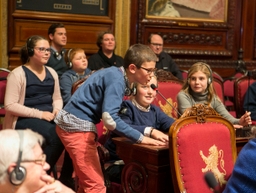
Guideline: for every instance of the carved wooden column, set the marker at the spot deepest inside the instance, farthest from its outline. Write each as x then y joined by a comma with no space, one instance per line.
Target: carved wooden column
122,26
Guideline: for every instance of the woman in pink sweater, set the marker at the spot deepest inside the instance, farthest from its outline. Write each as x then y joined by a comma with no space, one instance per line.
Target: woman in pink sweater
33,96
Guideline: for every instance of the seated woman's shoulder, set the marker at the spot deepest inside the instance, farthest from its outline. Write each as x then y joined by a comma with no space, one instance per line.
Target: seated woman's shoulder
181,93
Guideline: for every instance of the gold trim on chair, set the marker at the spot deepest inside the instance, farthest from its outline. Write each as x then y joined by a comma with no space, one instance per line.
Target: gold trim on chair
200,111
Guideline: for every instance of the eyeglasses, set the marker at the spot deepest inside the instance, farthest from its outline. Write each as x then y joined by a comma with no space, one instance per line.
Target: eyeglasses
154,44
42,49
37,161
149,70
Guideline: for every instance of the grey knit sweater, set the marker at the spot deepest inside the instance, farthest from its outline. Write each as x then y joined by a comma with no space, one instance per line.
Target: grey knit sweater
186,101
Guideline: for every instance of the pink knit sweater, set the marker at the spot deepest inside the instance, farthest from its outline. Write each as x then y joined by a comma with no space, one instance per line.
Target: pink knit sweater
15,97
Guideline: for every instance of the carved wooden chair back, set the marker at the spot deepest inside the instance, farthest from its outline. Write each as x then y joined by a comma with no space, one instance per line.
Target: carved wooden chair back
229,93
217,76
169,86
200,141
218,86
184,74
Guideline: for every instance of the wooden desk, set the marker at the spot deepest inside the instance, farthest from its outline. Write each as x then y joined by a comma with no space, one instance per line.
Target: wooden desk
147,168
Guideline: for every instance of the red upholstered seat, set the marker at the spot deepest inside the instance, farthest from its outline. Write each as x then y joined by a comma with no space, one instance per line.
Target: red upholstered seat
240,87
3,75
228,85
169,86
217,76
2,91
2,111
184,74
170,91
218,86
229,102
201,141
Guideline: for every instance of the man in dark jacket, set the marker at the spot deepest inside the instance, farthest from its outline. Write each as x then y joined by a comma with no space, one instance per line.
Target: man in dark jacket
250,100
165,61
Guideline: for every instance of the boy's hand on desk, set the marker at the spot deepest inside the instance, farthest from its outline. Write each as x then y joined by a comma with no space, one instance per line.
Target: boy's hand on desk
159,135
150,141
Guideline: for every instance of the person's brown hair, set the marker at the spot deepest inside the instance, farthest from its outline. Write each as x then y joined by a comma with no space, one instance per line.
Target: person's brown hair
137,54
100,37
52,28
205,68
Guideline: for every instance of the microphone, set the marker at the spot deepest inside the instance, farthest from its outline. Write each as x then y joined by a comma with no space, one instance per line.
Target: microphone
155,88
212,182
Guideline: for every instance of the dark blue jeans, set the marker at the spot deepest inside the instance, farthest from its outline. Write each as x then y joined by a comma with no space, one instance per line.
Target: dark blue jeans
53,146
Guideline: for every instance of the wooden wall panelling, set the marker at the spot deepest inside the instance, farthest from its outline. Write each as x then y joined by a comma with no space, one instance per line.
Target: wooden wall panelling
248,28
82,30
248,31
134,21
188,41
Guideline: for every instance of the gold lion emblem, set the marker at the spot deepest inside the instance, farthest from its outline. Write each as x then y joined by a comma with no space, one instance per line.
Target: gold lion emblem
167,109
214,158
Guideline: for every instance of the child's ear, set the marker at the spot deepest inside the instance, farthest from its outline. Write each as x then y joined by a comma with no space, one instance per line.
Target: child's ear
132,68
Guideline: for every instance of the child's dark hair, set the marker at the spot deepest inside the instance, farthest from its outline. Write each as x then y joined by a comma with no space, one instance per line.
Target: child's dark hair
27,50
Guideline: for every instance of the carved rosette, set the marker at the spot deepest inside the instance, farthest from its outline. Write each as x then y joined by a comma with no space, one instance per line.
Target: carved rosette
134,178
201,111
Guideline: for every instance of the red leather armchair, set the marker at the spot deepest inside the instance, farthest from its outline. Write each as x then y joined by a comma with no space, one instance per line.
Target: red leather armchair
169,86
201,141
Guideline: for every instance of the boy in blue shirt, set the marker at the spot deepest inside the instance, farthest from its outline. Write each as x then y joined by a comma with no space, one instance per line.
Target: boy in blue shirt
100,97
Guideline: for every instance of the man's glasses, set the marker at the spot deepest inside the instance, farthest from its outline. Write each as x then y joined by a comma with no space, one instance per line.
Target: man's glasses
42,49
37,161
149,70
156,45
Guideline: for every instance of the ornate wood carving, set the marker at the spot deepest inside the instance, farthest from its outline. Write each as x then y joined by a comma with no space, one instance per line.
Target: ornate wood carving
134,178
165,76
201,111
186,63
193,39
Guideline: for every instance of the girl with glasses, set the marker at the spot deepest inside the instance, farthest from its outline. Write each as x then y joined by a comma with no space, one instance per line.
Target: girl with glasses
33,97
